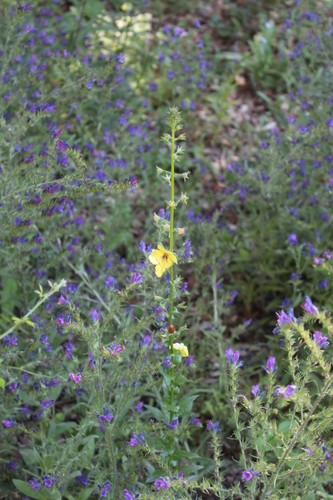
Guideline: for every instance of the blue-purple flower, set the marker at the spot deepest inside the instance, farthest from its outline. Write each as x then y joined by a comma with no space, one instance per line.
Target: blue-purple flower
128,495
76,378
137,440
47,403
255,390
286,392
95,315
320,339
104,490
271,364
8,423
83,479
166,363
106,416
309,307
233,357
292,239
213,426
49,481
136,279
248,475
173,424
162,483
284,318
35,484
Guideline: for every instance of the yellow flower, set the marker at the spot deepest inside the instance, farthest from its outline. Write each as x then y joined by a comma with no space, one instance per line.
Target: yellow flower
162,260
182,349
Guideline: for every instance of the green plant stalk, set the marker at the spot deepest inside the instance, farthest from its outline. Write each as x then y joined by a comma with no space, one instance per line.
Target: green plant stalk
222,379
271,484
235,409
172,284
54,289
172,217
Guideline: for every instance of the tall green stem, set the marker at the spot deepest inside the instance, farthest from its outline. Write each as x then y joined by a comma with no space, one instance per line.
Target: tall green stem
171,233
55,287
172,216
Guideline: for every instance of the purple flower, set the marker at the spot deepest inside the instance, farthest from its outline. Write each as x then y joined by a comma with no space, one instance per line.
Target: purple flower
136,279
189,360
9,423
329,122
232,294
292,239
195,421
61,145
166,363
173,424
128,495
95,315
271,365
162,483
10,340
247,475
320,339
232,356
255,390
327,255
146,339
35,484
213,426
12,465
287,392
48,481
120,58
178,31
139,407
75,378
309,307
47,404
106,416
104,490
187,249
110,282
137,440
284,318
115,349
83,479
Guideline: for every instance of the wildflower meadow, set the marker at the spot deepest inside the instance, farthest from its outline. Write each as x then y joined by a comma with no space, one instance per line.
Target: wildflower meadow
166,246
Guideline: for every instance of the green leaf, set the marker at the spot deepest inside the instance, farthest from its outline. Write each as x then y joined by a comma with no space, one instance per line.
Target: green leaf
9,294
2,383
93,8
186,403
85,494
30,456
26,489
155,412
56,429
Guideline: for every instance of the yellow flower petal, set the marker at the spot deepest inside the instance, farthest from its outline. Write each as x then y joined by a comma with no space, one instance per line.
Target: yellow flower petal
162,259
173,257
182,348
159,270
154,257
